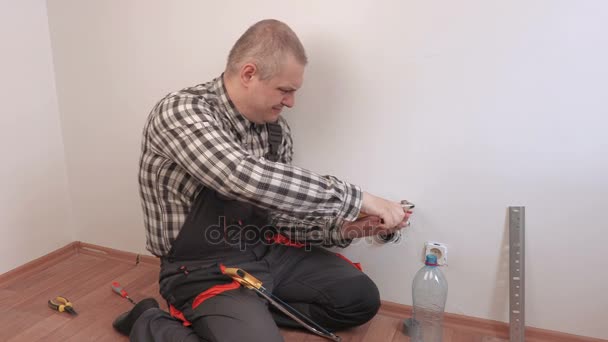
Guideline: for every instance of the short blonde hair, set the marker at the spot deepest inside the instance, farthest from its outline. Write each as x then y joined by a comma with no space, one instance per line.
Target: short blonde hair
266,44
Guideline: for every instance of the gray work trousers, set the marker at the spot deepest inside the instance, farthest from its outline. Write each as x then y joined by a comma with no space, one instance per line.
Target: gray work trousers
317,282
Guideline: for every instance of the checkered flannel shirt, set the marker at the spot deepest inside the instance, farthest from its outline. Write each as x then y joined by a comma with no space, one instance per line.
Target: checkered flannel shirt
195,138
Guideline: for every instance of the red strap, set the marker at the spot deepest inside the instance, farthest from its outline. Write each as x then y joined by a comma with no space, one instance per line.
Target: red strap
179,315
356,264
215,290
203,296
283,240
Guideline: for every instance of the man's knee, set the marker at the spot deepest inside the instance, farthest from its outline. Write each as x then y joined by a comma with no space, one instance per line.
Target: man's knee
237,315
218,328
353,301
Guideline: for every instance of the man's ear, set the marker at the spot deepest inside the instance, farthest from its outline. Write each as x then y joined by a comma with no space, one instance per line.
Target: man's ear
248,72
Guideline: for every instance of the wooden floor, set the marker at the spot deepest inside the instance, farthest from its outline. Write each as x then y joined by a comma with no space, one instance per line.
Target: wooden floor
85,279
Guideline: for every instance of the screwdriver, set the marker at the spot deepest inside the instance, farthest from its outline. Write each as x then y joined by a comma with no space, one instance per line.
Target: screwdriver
119,291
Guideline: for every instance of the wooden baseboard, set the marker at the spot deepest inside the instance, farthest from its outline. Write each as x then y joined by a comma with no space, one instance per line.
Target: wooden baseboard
82,248
483,326
115,254
487,327
58,254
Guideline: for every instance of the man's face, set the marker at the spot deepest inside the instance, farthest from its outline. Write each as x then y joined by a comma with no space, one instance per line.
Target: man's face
269,96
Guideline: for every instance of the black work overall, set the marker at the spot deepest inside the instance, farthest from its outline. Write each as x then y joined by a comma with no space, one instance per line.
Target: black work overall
219,233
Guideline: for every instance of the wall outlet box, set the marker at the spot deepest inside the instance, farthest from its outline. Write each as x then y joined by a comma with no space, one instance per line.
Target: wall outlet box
438,249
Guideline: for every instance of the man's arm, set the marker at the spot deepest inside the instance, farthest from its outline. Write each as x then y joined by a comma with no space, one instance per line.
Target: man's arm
312,230
326,231
336,231
195,141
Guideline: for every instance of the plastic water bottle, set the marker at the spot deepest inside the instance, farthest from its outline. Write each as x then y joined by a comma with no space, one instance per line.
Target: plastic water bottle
429,293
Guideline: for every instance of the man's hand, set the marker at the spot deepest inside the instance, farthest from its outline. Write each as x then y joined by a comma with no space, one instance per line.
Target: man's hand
392,214
369,226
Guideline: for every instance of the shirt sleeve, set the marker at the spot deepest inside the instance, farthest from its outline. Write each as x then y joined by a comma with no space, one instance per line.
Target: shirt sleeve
322,230
187,134
312,230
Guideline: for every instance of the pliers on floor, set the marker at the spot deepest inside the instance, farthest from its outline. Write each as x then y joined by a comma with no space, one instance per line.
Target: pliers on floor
62,304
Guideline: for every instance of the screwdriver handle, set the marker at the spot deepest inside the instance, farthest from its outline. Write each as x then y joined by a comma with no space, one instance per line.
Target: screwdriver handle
118,290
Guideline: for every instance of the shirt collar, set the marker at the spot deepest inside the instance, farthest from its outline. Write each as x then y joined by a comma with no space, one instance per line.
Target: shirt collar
240,122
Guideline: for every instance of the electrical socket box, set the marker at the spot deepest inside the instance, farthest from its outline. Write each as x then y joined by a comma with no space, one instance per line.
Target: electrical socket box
438,249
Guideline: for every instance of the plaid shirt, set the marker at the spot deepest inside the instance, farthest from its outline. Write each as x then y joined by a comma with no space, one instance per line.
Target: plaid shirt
195,138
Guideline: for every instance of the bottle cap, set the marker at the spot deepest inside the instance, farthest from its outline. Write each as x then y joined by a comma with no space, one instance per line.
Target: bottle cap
431,260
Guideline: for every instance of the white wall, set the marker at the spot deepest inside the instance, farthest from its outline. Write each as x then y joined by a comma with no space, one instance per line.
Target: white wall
464,108
34,203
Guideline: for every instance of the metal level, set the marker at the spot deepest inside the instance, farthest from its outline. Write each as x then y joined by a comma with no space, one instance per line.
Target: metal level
517,274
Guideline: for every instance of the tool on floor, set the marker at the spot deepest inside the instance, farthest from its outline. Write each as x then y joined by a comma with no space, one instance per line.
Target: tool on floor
252,283
62,304
121,292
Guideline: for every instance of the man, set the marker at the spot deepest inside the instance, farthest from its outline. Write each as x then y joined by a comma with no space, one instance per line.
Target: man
218,191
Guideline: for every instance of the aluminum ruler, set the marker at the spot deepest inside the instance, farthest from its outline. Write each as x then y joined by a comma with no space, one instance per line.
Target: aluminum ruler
516,274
